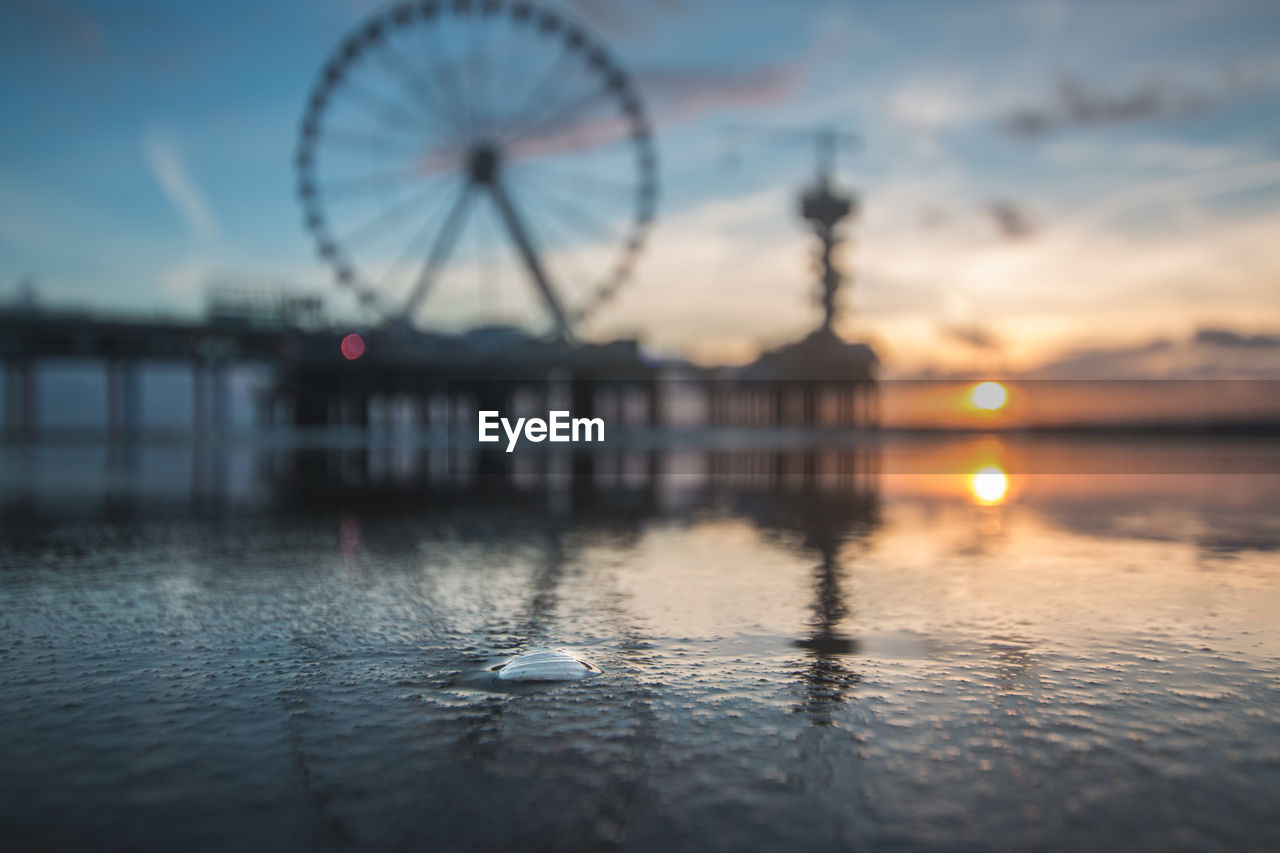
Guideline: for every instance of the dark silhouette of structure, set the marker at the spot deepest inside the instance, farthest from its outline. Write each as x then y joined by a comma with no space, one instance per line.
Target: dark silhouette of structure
562,94
820,382
438,136
820,379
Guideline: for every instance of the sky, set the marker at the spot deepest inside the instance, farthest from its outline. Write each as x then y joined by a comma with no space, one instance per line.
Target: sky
1047,188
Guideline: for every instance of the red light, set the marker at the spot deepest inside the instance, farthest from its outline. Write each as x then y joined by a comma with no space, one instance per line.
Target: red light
352,346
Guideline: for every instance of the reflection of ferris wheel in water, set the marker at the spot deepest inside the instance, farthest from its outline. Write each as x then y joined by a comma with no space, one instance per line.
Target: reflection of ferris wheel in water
470,147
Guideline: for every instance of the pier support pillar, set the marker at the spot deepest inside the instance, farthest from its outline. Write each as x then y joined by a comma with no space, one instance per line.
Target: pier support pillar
423,406
653,394
809,416
199,397
847,405
584,397
21,399
124,399
219,402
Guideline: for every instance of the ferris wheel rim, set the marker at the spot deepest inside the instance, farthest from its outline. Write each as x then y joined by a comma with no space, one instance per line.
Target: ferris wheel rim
577,39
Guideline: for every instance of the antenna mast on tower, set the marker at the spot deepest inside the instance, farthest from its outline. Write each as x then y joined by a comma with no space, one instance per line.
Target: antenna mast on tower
822,204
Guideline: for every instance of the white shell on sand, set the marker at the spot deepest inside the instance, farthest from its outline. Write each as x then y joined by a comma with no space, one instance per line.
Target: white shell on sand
546,665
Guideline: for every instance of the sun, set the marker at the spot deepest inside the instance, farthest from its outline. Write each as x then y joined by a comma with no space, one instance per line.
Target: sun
989,485
989,396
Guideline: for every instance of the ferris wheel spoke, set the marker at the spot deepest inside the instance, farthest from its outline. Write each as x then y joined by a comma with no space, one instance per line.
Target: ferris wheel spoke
415,246
389,112
502,68
520,236
386,220
487,259
494,55
479,81
583,219
523,105
425,96
588,136
448,80
372,181
560,116
466,98
447,236
588,228
451,79
566,258
432,85
357,140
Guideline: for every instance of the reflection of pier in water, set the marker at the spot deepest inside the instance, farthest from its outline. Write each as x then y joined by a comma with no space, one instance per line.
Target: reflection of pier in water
797,487
817,500
822,501
831,501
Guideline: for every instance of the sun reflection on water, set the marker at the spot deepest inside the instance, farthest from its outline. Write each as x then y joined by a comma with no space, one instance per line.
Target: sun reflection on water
989,485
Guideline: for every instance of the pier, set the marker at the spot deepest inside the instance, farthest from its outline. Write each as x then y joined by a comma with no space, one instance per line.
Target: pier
415,380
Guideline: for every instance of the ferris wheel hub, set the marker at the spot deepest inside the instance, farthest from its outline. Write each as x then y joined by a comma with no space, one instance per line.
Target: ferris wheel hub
482,163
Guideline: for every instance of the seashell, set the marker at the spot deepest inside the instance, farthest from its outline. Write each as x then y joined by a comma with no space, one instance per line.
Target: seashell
546,665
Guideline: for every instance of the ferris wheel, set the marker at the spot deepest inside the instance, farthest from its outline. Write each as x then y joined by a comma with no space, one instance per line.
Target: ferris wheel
476,159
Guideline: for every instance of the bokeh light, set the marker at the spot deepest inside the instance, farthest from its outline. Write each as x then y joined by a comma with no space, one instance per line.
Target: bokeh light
352,347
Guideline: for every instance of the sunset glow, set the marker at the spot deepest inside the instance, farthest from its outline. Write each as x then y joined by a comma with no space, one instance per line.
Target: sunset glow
988,396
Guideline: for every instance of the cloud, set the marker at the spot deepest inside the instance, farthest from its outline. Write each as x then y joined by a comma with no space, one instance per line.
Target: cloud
76,37
186,277
1228,338
1011,219
1161,156
1209,353
619,20
1141,261
69,29
675,95
164,158
975,335
683,93
1139,360
1076,104
932,105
